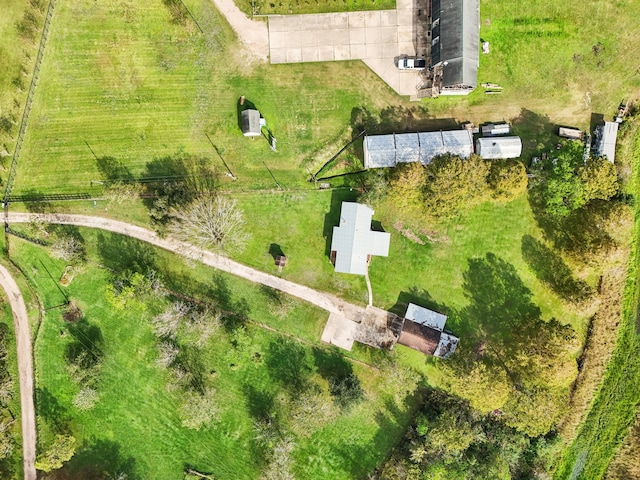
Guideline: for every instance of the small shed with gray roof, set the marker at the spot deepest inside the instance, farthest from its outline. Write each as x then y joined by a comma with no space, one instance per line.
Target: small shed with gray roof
493,148
389,150
251,125
353,242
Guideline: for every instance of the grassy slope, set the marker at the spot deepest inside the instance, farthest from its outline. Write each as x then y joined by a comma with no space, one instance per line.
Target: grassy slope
615,405
135,420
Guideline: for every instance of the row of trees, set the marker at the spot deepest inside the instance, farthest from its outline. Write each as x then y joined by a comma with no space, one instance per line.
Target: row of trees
27,30
449,185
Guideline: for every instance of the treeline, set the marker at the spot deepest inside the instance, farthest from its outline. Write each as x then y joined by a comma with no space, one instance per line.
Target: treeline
8,444
16,66
450,440
447,186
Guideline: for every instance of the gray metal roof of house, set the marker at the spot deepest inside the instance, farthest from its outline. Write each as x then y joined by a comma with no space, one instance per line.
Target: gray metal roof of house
251,122
499,147
458,40
389,150
608,142
446,346
426,317
353,240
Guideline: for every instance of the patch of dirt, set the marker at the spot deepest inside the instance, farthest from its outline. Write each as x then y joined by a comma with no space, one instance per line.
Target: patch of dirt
405,232
72,314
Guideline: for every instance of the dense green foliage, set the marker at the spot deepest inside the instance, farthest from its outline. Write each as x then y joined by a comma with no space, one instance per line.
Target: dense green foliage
450,440
565,182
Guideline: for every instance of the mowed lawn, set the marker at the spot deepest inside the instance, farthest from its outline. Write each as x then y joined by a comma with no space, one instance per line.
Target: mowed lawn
123,80
301,224
135,426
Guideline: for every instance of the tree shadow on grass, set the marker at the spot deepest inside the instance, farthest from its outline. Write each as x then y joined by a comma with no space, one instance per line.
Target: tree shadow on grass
235,310
120,253
550,269
113,170
288,365
99,460
51,411
85,351
537,132
344,385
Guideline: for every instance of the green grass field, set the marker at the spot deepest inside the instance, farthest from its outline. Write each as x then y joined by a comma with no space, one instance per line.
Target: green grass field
135,429
121,80
280,7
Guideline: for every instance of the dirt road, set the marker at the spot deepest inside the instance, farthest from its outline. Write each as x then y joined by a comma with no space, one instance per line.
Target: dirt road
25,371
253,33
325,301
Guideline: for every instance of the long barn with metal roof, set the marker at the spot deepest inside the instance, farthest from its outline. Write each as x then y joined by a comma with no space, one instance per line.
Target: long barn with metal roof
389,150
455,43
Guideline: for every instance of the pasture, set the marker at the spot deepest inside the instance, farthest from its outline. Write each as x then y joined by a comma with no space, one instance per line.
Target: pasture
259,363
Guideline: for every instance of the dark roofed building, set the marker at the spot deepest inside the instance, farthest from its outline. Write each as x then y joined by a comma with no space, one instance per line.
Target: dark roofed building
419,337
455,43
423,330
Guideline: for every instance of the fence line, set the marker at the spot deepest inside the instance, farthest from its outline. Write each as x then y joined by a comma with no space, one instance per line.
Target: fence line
27,107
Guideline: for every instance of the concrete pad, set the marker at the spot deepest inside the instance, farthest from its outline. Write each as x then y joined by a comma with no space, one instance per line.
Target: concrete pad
339,331
405,18
292,23
278,55
340,20
310,54
407,48
308,39
356,20
372,18
388,35
294,55
405,34
277,40
325,53
337,37
358,51
390,50
372,35
356,36
342,52
388,18
276,23
374,50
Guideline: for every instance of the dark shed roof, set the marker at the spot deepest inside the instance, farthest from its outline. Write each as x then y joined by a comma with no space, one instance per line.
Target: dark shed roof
456,26
419,337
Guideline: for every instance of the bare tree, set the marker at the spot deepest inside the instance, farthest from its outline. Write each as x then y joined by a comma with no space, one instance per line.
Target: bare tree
85,399
68,248
210,222
198,410
202,324
166,324
167,353
280,466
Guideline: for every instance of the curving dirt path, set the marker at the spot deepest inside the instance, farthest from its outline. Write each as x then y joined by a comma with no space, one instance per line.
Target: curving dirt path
254,34
25,371
325,301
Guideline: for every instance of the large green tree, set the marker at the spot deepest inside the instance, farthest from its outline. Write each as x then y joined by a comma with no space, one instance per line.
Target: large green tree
565,182
454,185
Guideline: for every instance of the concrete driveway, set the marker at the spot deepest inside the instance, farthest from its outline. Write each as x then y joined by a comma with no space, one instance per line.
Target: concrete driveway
376,37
